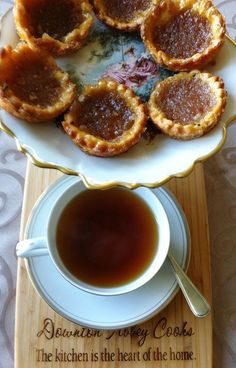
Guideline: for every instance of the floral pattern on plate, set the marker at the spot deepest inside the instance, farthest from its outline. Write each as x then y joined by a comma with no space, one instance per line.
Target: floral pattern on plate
114,55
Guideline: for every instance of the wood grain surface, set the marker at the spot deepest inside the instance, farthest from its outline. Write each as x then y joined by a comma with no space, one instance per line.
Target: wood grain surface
173,338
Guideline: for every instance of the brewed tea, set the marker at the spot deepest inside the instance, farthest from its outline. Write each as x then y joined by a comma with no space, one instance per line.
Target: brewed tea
107,238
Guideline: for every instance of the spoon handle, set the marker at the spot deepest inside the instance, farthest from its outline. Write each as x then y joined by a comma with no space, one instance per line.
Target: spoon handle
197,303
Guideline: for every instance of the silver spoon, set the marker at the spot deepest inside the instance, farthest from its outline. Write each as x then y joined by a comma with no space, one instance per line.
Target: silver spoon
197,303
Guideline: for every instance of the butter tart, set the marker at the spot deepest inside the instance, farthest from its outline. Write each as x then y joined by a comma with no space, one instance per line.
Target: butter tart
183,35
57,26
126,15
187,105
32,87
106,119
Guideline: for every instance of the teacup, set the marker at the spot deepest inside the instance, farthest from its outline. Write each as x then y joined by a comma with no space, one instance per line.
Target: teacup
104,242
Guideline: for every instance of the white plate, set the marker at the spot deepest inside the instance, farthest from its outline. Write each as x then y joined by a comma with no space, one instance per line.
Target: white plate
146,164
109,312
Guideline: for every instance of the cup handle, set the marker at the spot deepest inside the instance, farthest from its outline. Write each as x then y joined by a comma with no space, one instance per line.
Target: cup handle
32,247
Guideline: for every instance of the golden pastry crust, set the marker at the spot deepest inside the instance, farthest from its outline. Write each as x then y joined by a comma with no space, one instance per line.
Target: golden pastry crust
32,87
124,22
56,26
195,104
107,142
167,11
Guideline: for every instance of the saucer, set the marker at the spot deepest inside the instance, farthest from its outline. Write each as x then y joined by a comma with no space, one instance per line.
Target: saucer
106,312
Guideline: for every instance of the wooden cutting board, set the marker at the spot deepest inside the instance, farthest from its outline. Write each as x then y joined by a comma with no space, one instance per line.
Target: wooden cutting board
173,338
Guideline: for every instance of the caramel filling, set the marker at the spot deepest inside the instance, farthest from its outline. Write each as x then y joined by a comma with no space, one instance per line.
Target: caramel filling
57,18
185,35
185,101
33,82
125,10
104,114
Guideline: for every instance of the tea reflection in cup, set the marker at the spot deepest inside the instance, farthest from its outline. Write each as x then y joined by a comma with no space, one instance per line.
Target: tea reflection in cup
104,242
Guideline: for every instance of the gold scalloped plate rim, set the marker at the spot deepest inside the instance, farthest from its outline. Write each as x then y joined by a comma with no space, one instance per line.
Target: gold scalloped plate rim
48,165
110,184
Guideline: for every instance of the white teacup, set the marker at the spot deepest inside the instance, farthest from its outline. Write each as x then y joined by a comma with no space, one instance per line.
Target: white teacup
48,246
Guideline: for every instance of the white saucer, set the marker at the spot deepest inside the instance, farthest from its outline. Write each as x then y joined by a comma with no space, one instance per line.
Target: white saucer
109,312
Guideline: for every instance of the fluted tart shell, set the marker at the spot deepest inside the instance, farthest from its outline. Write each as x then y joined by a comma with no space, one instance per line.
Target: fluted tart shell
125,15
32,86
183,35
56,26
187,105
106,119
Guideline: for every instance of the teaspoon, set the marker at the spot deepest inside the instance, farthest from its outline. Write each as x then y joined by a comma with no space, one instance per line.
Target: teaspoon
197,303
